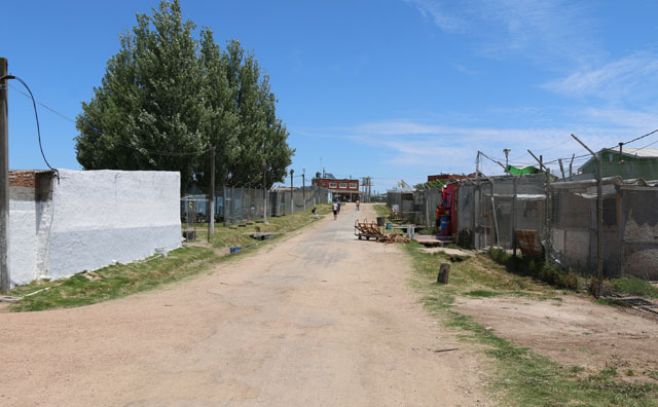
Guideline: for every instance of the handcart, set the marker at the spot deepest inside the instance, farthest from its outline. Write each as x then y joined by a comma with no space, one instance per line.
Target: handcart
367,229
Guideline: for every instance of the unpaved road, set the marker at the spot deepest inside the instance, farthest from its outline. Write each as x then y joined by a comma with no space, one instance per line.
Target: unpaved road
320,319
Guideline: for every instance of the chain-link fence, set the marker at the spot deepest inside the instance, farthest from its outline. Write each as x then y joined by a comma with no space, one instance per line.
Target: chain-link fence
639,231
425,203
402,204
283,202
233,205
237,204
503,205
628,229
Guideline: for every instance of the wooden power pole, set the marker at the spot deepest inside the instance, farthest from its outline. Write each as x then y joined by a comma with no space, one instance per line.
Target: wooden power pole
4,177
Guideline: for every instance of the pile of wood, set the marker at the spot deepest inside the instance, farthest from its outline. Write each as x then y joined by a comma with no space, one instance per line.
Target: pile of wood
395,238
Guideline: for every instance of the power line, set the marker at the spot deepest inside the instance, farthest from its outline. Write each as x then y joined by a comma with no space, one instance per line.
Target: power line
36,116
640,137
138,148
610,148
62,115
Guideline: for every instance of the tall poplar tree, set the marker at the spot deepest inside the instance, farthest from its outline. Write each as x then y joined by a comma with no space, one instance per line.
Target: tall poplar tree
167,99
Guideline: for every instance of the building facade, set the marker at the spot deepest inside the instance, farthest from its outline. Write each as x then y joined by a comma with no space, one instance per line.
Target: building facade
631,163
346,190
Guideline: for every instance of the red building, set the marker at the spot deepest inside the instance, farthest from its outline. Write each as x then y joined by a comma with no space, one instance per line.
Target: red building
342,189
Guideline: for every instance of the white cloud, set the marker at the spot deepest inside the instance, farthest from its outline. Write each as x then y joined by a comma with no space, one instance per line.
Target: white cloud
431,147
411,149
434,10
629,119
626,78
553,32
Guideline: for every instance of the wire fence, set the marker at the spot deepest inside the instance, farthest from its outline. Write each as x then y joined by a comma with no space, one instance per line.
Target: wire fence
628,229
234,205
559,218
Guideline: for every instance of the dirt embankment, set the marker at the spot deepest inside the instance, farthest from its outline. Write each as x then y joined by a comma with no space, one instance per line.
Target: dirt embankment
574,331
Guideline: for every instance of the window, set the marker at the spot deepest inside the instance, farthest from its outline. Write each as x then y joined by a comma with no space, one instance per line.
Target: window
343,185
354,185
332,185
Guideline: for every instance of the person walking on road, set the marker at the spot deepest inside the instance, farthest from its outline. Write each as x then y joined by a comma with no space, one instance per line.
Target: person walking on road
335,209
358,203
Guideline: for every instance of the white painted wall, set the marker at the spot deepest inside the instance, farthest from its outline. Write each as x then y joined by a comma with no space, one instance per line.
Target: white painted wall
95,218
22,255
103,217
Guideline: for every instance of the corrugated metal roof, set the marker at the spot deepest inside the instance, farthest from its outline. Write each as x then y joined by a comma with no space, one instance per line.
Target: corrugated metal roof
638,152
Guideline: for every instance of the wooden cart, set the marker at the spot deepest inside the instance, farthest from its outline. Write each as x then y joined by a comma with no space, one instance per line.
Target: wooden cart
367,229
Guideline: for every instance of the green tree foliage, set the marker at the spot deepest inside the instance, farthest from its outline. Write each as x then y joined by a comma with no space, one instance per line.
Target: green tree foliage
435,184
166,99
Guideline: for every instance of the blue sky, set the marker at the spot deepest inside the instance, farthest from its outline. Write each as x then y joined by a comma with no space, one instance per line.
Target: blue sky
394,89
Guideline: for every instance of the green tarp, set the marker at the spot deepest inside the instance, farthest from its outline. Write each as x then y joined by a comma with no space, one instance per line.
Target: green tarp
521,170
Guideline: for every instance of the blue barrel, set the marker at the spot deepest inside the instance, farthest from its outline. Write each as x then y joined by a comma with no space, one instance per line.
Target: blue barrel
389,226
235,250
443,226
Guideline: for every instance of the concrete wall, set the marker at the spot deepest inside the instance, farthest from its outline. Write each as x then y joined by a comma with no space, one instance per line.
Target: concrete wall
22,254
90,219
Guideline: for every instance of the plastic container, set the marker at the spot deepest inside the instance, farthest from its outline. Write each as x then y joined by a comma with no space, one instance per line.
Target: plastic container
389,226
443,226
234,250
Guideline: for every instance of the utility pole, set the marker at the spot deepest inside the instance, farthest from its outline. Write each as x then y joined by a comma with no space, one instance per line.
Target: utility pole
599,215
292,197
211,197
264,192
506,151
303,187
477,198
547,206
4,177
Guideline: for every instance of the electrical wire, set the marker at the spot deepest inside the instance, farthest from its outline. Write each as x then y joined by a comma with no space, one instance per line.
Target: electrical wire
138,148
36,116
611,148
62,115
640,137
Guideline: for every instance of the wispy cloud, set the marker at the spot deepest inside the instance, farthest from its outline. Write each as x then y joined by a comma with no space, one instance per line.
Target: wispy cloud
411,149
445,20
631,77
430,147
550,31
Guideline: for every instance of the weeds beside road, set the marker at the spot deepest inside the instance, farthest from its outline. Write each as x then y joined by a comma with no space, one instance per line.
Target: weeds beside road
120,280
524,377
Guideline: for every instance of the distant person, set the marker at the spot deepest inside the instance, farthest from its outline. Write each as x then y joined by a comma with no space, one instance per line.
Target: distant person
335,208
437,213
358,203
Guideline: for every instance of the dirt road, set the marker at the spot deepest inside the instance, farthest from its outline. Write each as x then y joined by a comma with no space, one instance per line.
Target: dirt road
319,319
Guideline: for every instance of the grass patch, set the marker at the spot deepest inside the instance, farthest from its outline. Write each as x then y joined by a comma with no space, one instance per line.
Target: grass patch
120,280
568,279
522,377
381,210
483,293
113,281
634,286
537,269
476,275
